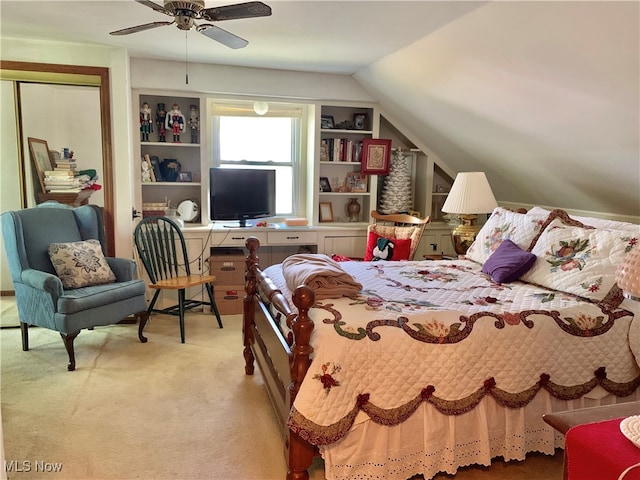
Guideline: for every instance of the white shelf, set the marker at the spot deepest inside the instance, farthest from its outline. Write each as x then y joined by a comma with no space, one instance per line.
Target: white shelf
169,144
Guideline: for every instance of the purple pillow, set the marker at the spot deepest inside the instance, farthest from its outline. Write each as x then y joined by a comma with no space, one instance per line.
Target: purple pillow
508,263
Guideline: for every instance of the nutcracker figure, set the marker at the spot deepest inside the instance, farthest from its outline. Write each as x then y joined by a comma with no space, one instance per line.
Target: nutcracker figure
194,122
146,125
175,121
161,117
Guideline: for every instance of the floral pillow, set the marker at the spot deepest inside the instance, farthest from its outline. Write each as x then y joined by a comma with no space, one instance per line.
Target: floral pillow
581,261
80,264
504,224
591,221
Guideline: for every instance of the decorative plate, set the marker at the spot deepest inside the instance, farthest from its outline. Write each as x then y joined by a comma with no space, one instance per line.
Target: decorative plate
630,428
188,210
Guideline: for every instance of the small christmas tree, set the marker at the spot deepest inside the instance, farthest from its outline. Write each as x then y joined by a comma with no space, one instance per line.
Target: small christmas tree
396,193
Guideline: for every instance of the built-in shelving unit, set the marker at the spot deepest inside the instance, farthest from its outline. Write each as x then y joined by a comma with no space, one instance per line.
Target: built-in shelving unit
187,151
340,130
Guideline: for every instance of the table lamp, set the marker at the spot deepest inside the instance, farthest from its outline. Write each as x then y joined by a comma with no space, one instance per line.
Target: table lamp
628,275
470,195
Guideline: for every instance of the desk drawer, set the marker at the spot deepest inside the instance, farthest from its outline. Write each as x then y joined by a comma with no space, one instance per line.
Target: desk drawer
236,238
292,238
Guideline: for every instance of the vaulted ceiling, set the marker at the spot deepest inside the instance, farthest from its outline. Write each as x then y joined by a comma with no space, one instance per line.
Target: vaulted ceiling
543,96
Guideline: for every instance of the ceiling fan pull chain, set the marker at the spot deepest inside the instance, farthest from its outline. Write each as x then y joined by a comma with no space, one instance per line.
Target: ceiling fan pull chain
186,60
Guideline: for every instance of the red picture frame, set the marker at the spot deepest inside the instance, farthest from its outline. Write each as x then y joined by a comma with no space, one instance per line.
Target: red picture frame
376,156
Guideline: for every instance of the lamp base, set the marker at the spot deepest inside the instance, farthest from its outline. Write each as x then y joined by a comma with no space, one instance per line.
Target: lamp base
465,233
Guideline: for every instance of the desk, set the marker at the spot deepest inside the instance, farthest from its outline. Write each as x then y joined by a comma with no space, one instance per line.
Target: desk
594,441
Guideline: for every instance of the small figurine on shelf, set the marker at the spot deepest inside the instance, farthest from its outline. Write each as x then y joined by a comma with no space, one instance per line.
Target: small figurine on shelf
194,122
161,117
146,125
146,173
175,121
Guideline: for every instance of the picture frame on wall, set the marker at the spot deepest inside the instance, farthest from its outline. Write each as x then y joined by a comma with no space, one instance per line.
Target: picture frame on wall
41,157
326,212
325,186
376,156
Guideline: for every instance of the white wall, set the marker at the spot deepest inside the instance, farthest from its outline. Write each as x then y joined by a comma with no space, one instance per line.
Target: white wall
543,96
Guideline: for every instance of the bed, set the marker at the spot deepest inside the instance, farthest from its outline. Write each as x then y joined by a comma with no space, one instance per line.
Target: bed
435,365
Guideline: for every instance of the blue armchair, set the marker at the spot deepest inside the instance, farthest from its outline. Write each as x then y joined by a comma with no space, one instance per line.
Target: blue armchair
40,296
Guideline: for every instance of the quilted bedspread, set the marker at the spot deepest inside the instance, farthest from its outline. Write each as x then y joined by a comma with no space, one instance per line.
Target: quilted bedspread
443,332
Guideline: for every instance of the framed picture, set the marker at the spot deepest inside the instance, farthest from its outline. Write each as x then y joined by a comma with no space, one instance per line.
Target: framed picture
356,182
325,186
326,121
376,156
326,212
41,158
185,177
360,121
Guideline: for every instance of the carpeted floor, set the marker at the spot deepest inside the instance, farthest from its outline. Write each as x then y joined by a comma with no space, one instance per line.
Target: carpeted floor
161,410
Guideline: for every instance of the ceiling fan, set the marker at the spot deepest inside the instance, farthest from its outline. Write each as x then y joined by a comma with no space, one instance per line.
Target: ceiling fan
185,12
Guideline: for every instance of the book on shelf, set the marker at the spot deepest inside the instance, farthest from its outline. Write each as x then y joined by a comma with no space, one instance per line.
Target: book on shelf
155,166
152,174
64,190
340,150
59,173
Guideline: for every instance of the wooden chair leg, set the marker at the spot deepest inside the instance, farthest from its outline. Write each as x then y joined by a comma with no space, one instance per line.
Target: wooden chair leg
212,299
24,329
142,317
68,344
153,301
181,312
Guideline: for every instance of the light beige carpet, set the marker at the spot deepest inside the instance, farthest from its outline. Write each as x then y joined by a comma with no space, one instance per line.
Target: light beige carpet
161,410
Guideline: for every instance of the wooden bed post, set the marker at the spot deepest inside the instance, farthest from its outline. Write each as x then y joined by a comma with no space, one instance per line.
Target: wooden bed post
301,452
249,303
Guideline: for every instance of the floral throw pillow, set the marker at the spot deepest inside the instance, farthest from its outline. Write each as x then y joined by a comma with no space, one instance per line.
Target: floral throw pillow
580,261
80,264
504,224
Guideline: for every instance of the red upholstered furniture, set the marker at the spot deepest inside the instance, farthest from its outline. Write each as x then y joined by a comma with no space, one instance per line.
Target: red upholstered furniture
595,448
600,450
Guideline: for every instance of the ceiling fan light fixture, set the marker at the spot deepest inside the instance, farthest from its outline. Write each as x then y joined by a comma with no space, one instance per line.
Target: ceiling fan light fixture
261,108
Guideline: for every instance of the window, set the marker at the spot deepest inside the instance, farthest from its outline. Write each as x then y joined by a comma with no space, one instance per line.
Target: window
244,139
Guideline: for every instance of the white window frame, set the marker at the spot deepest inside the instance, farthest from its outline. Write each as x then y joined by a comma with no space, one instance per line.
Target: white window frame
276,109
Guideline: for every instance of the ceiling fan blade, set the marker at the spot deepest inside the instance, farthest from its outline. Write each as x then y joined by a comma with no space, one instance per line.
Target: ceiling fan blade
140,28
222,36
239,10
155,6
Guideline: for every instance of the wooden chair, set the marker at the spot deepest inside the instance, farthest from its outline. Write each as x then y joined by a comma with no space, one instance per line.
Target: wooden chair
163,252
399,226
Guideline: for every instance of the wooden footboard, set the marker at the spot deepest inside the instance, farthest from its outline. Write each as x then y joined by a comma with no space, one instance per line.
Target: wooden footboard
283,362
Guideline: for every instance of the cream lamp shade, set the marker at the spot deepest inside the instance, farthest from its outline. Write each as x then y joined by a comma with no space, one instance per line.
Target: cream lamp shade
470,194
628,275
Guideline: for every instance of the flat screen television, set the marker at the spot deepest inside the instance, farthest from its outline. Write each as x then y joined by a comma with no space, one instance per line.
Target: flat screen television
241,194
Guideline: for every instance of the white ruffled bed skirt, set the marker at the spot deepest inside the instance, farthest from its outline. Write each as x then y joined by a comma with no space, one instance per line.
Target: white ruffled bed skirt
430,442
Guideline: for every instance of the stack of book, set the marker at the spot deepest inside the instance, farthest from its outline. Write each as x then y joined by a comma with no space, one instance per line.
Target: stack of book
65,164
62,181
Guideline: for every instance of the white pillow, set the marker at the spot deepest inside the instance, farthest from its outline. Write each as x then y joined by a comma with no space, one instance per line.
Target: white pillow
577,260
504,224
